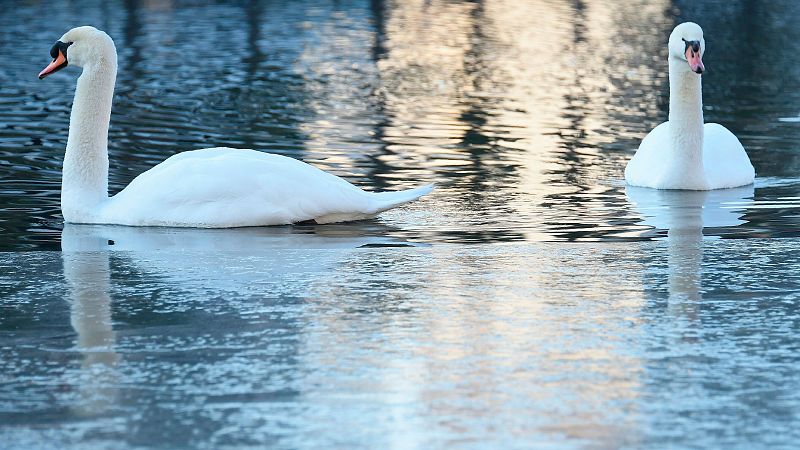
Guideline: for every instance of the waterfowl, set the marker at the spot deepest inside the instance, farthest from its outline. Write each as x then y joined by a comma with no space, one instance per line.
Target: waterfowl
685,153
208,188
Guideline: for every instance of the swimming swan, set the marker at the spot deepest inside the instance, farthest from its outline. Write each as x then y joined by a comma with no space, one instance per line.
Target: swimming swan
683,153
208,188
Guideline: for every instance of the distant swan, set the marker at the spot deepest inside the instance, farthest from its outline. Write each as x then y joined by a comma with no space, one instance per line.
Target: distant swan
208,188
683,153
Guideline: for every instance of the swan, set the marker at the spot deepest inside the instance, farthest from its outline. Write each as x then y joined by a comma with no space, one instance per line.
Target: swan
207,188
683,153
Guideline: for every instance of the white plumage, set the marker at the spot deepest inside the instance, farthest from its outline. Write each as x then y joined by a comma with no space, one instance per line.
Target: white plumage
724,162
208,188
226,187
685,153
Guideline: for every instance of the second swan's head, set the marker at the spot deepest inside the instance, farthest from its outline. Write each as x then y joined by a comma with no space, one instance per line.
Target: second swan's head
80,47
686,43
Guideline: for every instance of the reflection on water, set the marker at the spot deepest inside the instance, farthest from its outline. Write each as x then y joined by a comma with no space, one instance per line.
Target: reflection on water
88,279
594,345
83,238
684,215
525,113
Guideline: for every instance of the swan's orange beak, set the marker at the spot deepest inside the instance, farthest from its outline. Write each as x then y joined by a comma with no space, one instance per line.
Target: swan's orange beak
694,59
59,63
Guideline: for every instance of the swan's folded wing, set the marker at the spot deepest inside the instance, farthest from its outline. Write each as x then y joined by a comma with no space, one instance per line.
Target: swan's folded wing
222,187
725,160
645,168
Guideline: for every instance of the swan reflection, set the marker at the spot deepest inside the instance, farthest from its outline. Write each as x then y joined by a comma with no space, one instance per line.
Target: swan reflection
220,256
182,258
253,239
88,278
684,214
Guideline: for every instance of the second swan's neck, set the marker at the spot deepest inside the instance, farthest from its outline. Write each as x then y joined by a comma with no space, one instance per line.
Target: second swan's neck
686,119
85,174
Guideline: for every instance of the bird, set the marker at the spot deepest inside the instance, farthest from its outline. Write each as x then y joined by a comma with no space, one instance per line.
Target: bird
208,188
684,153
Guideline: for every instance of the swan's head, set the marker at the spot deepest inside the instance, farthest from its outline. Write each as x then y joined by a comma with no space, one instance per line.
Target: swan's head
78,47
686,43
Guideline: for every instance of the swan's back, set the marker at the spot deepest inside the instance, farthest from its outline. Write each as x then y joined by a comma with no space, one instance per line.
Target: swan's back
224,187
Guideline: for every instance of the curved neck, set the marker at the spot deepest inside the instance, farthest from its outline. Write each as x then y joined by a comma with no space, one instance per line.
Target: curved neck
686,114
85,173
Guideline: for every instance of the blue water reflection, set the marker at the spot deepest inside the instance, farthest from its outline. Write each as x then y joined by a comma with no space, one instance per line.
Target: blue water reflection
532,301
610,345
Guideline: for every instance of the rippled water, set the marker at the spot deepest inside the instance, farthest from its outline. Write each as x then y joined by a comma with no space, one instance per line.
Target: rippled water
531,301
315,343
524,113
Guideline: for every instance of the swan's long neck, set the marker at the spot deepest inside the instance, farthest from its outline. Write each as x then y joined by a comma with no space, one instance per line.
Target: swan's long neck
85,175
686,120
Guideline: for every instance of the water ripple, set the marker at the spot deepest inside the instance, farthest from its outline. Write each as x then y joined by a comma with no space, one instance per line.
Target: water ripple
523,114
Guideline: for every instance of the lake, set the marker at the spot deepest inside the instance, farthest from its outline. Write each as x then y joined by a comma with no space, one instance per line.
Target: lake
533,300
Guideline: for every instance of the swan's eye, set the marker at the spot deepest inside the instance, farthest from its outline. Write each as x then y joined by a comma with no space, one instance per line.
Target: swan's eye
59,46
695,45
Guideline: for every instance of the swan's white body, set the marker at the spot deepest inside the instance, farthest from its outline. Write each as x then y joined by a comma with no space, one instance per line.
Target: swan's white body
208,188
225,187
685,153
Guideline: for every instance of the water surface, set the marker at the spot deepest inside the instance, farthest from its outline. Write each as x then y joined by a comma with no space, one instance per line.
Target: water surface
533,300
524,113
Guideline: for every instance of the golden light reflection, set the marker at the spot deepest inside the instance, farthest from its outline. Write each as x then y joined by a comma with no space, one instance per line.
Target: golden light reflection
484,359
571,77
529,103
522,94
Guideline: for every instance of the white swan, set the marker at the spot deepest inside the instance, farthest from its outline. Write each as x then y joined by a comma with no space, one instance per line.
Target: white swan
683,153
208,188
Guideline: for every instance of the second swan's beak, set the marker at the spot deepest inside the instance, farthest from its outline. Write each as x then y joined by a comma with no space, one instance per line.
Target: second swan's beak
58,52
693,57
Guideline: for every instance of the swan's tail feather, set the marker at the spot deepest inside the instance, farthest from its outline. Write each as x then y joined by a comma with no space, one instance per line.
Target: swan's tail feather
381,201
389,200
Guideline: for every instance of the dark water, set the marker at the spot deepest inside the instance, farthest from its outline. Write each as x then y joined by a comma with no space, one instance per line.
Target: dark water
531,301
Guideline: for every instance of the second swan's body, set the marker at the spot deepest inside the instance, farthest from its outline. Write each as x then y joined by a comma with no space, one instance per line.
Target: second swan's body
685,153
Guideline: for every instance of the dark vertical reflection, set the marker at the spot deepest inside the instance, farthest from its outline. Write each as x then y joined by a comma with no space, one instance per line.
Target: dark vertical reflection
132,31
478,142
254,11
125,145
573,135
490,161
378,12
252,59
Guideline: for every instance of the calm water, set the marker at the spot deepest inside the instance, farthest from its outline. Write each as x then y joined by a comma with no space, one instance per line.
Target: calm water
531,301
